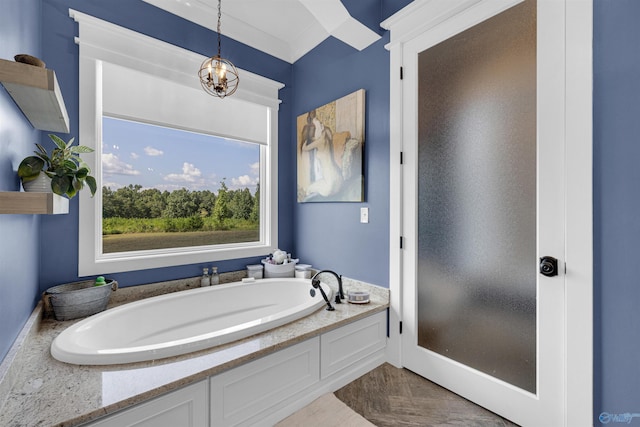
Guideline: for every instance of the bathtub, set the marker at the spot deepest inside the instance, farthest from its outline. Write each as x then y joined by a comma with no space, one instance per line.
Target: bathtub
187,321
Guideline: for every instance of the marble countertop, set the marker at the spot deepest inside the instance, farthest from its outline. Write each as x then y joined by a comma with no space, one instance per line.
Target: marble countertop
41,391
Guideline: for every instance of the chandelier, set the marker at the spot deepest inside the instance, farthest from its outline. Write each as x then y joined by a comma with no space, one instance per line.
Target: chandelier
218,76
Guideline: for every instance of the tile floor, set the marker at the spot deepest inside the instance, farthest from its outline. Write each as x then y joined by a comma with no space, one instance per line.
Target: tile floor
388,396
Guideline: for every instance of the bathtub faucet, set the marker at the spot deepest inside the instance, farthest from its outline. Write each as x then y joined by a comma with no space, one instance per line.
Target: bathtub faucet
339,294
316,284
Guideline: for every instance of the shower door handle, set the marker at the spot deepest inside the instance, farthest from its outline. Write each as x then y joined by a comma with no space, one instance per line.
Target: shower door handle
548,266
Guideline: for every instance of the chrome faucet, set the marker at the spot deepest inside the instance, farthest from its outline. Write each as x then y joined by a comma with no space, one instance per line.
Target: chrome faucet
339,294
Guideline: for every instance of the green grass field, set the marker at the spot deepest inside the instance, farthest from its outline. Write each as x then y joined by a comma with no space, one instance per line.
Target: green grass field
146,241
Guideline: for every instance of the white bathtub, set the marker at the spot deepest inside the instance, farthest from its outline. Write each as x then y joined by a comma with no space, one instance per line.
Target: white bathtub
182,322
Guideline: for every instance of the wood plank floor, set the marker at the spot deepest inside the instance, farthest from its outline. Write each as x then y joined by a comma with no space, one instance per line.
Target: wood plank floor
388,396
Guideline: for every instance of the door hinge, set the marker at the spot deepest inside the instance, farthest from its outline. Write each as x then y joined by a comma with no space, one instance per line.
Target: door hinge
400,328
401,73
401,158
401,242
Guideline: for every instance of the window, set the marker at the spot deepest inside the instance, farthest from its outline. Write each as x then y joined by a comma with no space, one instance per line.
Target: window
168,188
159,137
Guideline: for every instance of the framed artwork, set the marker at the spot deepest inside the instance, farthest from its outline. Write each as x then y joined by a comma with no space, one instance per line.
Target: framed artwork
330,141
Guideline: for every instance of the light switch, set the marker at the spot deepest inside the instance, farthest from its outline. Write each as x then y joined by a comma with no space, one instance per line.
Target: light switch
364,215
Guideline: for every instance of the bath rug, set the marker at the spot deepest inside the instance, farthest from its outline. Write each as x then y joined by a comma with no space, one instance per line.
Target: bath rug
325,411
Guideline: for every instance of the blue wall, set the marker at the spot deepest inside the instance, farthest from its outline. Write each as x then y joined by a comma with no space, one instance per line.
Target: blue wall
330,235
616,138
19,234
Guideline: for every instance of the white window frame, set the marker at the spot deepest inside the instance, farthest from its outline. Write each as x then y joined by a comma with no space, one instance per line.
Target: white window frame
100,41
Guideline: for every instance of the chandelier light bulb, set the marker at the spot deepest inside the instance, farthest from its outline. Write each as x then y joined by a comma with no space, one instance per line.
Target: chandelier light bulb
222,70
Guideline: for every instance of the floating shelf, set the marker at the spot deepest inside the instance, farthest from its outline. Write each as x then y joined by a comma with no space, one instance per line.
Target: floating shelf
16,202
37,93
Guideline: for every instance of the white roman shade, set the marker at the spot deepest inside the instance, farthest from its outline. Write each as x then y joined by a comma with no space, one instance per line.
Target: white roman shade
133,95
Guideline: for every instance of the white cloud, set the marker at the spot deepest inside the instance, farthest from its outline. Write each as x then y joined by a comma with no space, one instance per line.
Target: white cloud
135,156
168,187
190,174
111,164
150,151
255,168
112,185
243,181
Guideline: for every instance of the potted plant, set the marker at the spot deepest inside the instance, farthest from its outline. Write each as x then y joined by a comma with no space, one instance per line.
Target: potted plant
65,168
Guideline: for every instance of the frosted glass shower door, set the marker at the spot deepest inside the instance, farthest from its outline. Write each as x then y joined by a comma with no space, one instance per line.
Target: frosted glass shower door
483,202
477,197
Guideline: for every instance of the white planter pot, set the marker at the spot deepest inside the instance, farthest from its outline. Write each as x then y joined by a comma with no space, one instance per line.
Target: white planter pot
42,184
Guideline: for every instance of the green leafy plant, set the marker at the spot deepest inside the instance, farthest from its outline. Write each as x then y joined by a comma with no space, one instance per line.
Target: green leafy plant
63,165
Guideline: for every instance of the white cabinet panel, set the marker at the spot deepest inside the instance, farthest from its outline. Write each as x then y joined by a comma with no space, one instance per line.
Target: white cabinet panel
186,407
265,384
270,388
345,346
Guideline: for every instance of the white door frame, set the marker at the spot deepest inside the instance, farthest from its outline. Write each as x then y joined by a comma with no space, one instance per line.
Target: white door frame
421,16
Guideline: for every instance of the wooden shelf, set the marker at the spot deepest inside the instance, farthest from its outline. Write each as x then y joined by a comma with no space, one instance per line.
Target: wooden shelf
16,202
37,93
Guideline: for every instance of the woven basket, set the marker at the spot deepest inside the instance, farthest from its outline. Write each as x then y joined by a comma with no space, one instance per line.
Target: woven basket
78,299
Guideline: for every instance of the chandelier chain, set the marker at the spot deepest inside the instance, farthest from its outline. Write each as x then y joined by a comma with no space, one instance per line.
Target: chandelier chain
219,19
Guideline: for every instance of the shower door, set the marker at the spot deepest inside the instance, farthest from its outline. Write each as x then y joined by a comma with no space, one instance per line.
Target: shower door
483,203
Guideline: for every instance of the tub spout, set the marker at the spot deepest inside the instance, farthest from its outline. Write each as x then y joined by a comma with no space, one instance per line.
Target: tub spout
339,294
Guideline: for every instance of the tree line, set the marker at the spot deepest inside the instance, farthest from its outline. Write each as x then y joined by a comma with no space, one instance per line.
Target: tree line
134,202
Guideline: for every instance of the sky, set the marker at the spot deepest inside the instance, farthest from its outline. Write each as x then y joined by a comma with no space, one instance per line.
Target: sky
170,159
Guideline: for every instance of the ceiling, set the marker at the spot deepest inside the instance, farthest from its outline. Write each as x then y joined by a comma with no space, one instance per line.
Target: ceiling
286,29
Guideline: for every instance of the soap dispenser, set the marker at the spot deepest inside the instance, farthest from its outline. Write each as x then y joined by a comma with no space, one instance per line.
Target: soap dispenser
215,278
205,280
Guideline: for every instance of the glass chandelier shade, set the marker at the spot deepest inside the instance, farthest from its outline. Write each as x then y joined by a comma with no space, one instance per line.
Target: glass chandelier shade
218,76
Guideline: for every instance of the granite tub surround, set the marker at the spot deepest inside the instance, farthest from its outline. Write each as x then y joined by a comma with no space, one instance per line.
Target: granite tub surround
135,293
42,391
